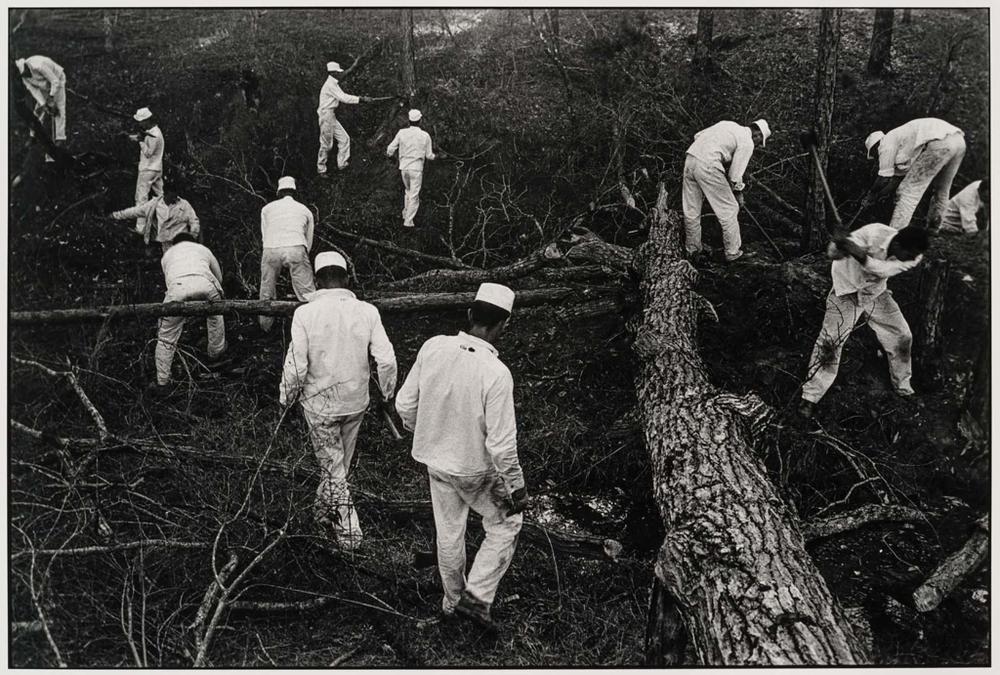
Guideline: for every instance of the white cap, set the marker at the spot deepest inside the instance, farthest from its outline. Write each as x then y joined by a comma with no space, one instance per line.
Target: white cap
20,65
329,259
873,138
142,114
414,115
496,295
333,67
286,183
765,130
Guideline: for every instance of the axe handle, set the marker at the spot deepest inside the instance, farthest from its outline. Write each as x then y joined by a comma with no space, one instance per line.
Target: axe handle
826,186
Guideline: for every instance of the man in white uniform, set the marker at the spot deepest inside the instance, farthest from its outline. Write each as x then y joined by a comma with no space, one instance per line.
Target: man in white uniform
168,216
458,400
326,368
862,262
46,82
286,229
414,146
921,153
191,273
330,128
151,146
705,176
962,212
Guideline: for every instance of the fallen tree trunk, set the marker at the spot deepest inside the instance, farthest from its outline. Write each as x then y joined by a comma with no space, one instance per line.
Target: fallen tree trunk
865,515
440,261
954,569
733,558
420,302
515,270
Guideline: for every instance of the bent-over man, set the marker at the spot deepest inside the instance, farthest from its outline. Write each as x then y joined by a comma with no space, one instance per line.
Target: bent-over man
286,229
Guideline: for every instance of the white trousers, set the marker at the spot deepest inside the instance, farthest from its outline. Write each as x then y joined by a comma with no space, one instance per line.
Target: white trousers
702,180
146,182
57,122
171,327
272,261
330,130
334,440
935,166
451,498
412,180
842,314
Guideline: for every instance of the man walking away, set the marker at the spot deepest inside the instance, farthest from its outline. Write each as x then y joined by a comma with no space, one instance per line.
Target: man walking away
46,81
705,175
414,146
459,401
962,212
326,368
191,273
286,228
151,146
330,128
862,262
169,215
923,152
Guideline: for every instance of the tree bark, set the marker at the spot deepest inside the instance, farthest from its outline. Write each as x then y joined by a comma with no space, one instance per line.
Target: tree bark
733,556
927,336
703,40
827,49
907,17
954,569
406,303
880,56
408,68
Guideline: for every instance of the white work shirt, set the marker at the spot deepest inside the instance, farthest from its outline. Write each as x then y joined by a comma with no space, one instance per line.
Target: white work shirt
151,150
960,212
327,360
187,259
898,148
331,95
850,276
458,399
47,77
414,145
286,222
725,143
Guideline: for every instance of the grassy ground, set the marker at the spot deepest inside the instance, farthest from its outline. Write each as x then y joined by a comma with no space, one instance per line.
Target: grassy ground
532,154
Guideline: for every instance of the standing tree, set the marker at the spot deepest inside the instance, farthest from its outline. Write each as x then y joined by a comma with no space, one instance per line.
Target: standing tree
827,49
879,58
408,68
907,16
703,40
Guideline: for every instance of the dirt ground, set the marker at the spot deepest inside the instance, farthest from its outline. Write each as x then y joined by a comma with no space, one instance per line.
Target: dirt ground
530,150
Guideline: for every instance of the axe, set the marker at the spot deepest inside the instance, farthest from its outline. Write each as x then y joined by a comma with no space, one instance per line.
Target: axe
809,142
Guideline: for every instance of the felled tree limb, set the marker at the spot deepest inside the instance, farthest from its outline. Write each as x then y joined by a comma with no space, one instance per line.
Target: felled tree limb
70,377
732,557
389,246
115,548
519,268
585,247
421,302
866,515
950,573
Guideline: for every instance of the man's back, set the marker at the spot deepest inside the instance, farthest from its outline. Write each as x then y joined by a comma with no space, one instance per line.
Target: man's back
719,141
414,147
286,222
188,258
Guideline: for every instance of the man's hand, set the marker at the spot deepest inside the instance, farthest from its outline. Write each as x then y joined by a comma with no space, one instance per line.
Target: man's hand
520,501
365,99
740,199
51,107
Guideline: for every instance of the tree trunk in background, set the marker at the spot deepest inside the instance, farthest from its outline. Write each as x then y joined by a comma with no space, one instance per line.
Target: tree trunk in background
552,17
703,40
827,51
907,17
879,59
733,557
408,57
109,19
975,420
927,344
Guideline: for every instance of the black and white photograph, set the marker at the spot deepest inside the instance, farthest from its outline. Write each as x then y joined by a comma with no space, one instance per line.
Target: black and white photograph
497,336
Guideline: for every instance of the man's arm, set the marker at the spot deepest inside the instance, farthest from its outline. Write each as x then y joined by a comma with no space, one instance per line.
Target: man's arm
213,264
293,375
139,210
192,218
343,96
150,144
385,358
501,432
408,396
741,158
429,151
391,150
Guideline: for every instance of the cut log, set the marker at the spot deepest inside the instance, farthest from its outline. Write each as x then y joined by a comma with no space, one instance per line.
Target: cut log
927,340
954,569
733,556
585,247
422,302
